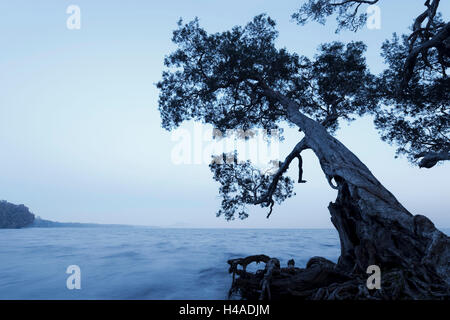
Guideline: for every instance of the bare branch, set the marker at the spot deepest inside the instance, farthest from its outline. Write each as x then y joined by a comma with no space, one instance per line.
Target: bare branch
354,1
438,42
267,197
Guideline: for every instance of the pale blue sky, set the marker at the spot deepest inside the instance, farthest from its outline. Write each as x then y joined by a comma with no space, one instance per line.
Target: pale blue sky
80,133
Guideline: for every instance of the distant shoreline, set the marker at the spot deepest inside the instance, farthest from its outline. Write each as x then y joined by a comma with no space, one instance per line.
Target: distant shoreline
42,223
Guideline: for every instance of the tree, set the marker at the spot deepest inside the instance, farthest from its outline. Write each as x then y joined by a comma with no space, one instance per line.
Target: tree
414,90
239,79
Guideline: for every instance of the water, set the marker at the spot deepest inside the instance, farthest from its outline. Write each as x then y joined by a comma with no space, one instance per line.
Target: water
143,263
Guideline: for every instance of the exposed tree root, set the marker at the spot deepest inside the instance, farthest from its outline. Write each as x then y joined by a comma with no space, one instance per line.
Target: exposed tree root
324,280
414,261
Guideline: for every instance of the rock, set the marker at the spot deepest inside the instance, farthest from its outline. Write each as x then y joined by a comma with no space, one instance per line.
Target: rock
14,216
321,262
291,263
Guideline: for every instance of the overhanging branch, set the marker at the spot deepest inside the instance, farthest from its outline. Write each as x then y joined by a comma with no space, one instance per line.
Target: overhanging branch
430,159
295,153
438,42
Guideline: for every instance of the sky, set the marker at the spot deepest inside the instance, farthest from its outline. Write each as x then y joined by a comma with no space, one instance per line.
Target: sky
80,132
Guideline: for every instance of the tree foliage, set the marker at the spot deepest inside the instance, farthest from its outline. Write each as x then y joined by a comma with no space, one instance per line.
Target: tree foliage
413,98
242,184
212,76
222,79
416,118
239,79
348,15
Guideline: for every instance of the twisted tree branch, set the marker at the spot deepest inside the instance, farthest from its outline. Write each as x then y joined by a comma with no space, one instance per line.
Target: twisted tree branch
295,153
430,159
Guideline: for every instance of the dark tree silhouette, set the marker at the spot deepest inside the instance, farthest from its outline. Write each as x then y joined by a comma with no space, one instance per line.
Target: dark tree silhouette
414,103
238,79
416,117
14,216
348,12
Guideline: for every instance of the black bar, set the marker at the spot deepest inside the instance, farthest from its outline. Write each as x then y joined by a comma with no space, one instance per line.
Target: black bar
198,310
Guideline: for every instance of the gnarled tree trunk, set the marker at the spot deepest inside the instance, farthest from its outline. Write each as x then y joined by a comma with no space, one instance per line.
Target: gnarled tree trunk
374,228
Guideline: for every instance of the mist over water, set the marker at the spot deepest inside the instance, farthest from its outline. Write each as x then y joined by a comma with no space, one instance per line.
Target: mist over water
144,263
